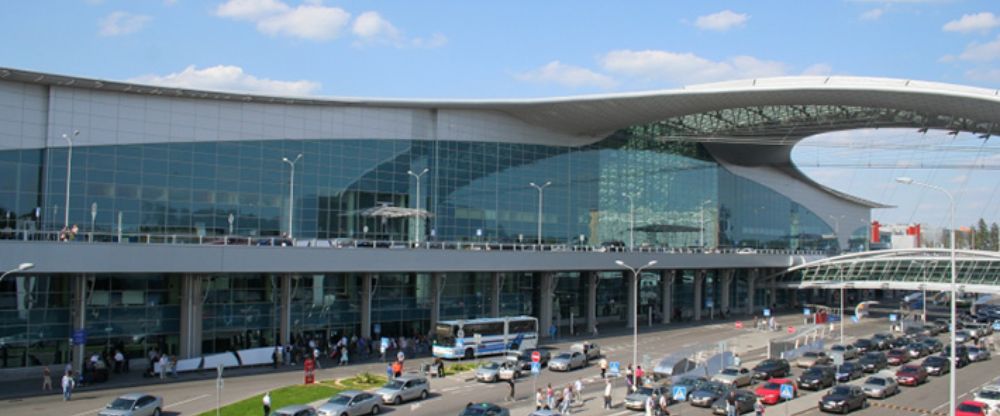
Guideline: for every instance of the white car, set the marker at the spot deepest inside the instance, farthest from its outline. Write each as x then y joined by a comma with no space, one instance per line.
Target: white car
989,395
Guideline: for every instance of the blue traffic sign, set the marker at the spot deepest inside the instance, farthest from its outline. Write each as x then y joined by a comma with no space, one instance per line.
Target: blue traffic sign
767,312
996,325
709,303
893,317
615,368
536,368
679,393
806,311
787,392
855,318
80,337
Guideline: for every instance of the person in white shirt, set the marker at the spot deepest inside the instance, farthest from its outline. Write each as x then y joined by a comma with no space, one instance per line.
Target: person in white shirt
164,366
267,403
578,386
67,385
650,405
607,394
119,361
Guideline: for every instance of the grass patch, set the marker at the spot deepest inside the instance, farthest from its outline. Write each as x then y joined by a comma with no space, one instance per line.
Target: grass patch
285,396
453,369
363,381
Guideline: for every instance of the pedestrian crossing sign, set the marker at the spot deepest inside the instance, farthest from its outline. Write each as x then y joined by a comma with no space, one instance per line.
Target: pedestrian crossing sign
787,392
679,393
536,368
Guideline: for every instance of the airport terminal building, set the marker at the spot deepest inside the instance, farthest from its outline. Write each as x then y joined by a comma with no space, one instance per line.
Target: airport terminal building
210,221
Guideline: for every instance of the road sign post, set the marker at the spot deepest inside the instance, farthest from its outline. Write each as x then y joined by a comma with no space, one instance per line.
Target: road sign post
679,393
218,389
615,368
787,393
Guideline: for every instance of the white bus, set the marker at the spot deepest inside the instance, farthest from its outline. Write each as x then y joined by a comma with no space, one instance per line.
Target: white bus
477,337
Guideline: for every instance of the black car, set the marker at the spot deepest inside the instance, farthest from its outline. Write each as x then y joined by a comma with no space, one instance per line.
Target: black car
864,345
849,371
817,377
543,360
933,345
873,361
745,400
899,342
484,409
771,368
936,365
941,326
843,399
882,340
917,350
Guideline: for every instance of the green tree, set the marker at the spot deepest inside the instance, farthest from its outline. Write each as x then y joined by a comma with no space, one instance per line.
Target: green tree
982,235
995,237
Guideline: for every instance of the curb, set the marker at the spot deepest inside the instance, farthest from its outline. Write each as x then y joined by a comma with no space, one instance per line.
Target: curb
906,409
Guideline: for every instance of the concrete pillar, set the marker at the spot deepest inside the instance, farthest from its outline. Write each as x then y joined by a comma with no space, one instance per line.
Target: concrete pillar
592,279
285,309
631,311
497,288
699,282
667,294
80,317
367,284
437,288
192,294
546,292
725,287
772,293
752,292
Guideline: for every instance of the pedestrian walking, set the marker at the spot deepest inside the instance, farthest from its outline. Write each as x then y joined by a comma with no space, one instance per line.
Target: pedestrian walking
604,368
578,393
736,360
731,404
388,371
664,402
316,355
607,394
46,379
758,407
567,398
539,399
343,355
67,385
650,405
550,397
164,364
510,385
267,403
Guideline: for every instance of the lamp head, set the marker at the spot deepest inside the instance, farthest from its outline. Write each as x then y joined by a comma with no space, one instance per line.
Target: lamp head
620,263
547,183
651,262
905,180
25,266
532,184
285,159
410,172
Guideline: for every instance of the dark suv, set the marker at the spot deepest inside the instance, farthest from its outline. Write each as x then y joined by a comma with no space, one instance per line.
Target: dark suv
817,377
771,368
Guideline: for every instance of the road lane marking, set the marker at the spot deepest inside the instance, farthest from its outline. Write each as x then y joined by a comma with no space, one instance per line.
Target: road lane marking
89,412
187,401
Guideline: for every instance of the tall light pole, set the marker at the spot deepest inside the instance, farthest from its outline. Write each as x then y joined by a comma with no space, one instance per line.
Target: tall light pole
954,277
631,219
635,312
69,174
703,222
291,192
540,192
418,216
20,268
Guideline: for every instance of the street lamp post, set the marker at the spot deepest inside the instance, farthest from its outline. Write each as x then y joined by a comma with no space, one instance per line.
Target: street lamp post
418,216
291,192
540,189
635,312
631,219
954,277
20,268
69,174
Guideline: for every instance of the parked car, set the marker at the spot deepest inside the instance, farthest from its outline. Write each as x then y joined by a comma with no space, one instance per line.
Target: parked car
403,389
880,387
811,358
637,399
770,392
843,399
846,351
690,384
971,408
897,343
133,404
898,356
936,365
977,354
917,350
933,345
568,361
961,355
489,372
745,400
771,368
590,350
873,361
483,409
817,377
863,345
962,336
941,326
708,394
849,371
295,410
351,403
882,340
911,375
989,395
734,376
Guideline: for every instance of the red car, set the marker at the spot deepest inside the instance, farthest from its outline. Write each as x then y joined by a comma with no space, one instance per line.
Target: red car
971,408
911,375
898,357
770,392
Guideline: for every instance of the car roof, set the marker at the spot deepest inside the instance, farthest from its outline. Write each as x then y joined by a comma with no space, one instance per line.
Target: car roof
406,378
133,396
350,393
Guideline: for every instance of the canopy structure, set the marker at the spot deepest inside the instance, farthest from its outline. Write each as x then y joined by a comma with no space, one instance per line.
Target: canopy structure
396,212
905,269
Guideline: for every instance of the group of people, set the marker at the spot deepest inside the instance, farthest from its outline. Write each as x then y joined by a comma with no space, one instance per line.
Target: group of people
341,349
547,398
69,233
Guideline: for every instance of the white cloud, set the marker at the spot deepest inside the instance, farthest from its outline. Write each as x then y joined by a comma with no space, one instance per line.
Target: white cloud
371,26
122,23
312,20
818,69
556,72
228,78
721,21
981,22
873,14
658,65
436,40
982,51
984,74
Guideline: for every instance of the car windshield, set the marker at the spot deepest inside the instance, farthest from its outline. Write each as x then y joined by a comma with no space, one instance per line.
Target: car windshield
811,354
492,365
845,367
340,399
964,407
838,348
767,363
876,381
731,372
772,386
841,390
873,356
687,381
989,394
935,360
908,369
646,391
394,385
121,404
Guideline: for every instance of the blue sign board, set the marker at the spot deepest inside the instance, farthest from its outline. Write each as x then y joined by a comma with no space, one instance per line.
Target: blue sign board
80,337
536,368
385,344
679,393
767,312
855,318
787,392
459,342
996,325
709,303
806,311
893,317
615,368
378,328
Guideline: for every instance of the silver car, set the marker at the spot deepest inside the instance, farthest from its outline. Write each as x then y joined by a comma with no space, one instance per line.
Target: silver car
811,358
589,349
734,376
637,400
978,354
351,403
880,386
489,372
295,410
404,389
133,404
568,361
510,369
849,352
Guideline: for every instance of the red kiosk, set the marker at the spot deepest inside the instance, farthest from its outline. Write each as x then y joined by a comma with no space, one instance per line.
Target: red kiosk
310,368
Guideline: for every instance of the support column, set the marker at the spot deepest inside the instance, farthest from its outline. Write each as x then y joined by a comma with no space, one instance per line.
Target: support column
631,312
772,293
285,309
495,301
191,316
752,292
667,294
593,279
725,286
367,285
546,289
80,318
437,288
699,282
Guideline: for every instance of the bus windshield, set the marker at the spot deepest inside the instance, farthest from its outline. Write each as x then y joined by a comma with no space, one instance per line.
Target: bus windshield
444,334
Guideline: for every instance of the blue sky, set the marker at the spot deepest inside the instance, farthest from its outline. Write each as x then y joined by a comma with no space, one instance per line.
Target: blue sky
474,49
